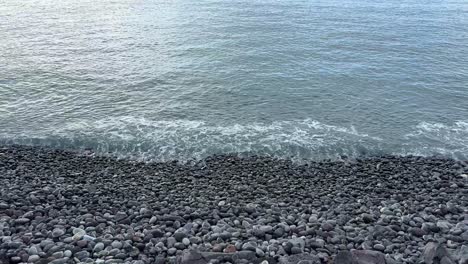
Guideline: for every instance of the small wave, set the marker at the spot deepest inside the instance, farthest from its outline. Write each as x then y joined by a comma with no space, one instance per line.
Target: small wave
438,138
147,139
183,140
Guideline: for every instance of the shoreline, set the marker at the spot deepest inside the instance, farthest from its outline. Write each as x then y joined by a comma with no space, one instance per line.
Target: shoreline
59,206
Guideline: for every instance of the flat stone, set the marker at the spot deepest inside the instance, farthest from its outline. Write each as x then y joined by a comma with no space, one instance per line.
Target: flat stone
21,221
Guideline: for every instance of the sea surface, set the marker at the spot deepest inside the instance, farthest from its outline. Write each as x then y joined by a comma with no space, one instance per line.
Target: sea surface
182,79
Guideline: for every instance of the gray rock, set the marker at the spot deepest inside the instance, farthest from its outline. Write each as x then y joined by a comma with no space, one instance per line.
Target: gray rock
171,251
430,227
444,225
344,257
266,229
279,232
33,258
367,218
170,242
82,255
259,252
297,242
244,255
463,255
82,243
121,256
446,260
98,247
113,261
434,252
33,250
58,232
368,257
78,233
295,259
153,220
57,255
179,235
317,243
53,249
179,245
296,250
157,233
67,253
22,221
328,226
379,247
192,257
15,259
117,244
14,245
249,246
59,261
225,235
88,238
416,231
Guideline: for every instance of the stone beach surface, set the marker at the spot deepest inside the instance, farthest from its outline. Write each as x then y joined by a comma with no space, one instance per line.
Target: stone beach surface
69,207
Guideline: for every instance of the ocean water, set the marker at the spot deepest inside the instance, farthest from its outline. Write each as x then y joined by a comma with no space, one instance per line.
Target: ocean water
180,79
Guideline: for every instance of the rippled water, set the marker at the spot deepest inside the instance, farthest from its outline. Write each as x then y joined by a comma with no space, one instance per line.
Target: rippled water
185,79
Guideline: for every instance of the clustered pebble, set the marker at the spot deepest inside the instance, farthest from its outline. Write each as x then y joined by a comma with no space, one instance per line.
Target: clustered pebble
59,206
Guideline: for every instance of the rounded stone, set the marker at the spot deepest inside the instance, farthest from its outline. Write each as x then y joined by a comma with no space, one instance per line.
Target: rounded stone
67,253
379,247
116,244
58,232
33,258
171,251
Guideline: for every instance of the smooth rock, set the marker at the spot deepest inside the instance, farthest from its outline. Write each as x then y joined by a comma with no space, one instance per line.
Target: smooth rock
368,257
33,258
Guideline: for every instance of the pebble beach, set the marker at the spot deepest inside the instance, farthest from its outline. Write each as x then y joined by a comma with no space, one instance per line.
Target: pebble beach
76,207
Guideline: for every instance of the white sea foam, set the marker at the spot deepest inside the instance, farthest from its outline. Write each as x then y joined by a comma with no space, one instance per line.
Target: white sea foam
437,138
163,140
